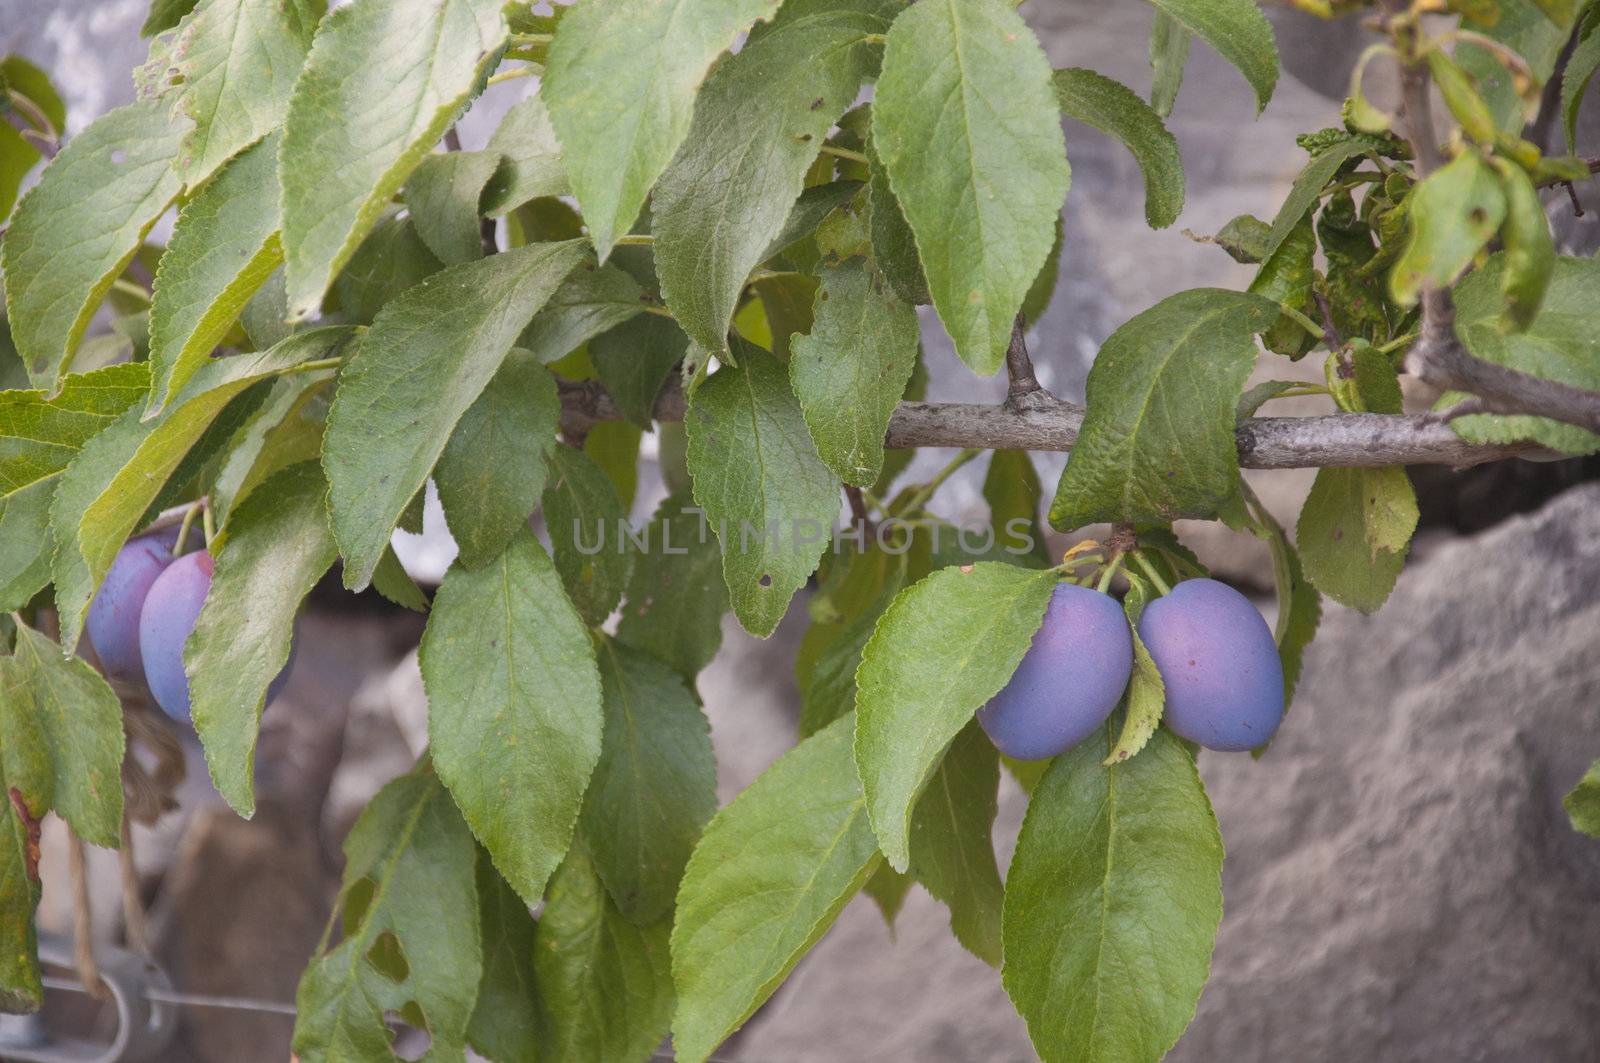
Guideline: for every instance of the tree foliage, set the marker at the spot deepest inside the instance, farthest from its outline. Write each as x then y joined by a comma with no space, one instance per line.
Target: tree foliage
724,213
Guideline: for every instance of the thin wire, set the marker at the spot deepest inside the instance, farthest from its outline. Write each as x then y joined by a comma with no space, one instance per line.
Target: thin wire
193,1000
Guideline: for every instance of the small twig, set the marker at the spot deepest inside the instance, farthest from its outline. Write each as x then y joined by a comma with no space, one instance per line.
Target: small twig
1572,194
135,932
83,919
1023,384
858,506
1330,331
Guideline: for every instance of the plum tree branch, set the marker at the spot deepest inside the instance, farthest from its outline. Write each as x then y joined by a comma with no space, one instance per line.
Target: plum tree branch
1049,423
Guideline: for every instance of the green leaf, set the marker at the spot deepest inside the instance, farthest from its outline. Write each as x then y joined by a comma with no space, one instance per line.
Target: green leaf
586,521
382,83
1302,197
1561,343
391,580
1353,533
762,485
443,195
1238,31
1112,108
785,304
1169,54
944,648
223,248
1530,250
285,430
634,360
21,989
1583,802
1147,693
138,483
605,984
25,543
80,225
758,128
620,86
515,712
655,787
1012,489
278,546
165,14
1157,443
1112,903
32,82
980,182
676,596
894,246
952,851
830,652
505,1021
614,446
421,366
590,301
1454,213
389,261
18,157
39,438
410,943
235,66
530,159
850,372
1575,80
63,738
78,486
770,875
1299,604
1527,32
816,203
492,471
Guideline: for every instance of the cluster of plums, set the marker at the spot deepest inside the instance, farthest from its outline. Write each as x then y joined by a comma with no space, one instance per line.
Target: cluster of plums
1216,656
144,613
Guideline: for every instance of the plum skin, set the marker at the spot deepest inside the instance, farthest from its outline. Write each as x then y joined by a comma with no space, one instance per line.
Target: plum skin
1220,665
170,611
113,620
1068,682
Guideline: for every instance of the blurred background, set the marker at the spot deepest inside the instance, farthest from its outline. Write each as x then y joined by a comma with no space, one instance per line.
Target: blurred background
1401,882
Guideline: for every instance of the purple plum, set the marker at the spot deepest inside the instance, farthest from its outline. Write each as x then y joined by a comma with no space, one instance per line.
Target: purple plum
1220,665
170,611
113,622
1069,680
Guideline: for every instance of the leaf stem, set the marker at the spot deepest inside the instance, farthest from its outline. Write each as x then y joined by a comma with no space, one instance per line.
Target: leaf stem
846,153
503,76
634,240
925,492
1302,320
208,523
315,365
1151,571
183,529
1110,571
128,287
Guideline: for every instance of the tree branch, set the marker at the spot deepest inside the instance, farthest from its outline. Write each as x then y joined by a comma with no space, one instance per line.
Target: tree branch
1366,439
